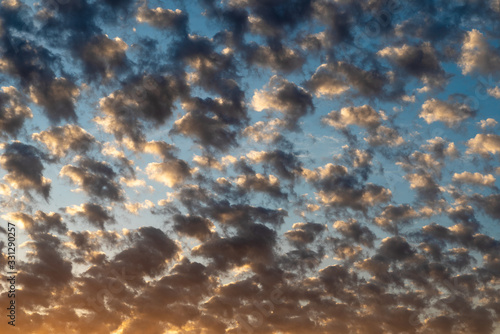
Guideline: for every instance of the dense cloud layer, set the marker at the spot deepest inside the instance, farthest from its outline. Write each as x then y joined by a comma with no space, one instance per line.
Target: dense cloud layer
251,166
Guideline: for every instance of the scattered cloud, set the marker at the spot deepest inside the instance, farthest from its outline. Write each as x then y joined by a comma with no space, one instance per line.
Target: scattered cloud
250,166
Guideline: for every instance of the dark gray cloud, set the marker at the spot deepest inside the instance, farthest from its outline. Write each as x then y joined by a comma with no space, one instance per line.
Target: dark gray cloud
214,71
420,61
41,222
34,66
340,189
95,214
395,249
353,231
394,216
275,55
251,245
286,97
241,215
148,254
229,111
57,97
47,271
96,178
193,226
267,184
206,131
146,100
102,56
266,18
304,233
24,167
490,204
286,164
13,111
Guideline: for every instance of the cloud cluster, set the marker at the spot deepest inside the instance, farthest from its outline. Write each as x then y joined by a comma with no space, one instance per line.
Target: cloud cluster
251,166
286,97
14,111
96,178
24,166
61,140
449,113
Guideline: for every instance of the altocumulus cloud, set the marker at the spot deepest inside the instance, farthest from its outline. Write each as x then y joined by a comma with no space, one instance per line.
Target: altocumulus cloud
251,166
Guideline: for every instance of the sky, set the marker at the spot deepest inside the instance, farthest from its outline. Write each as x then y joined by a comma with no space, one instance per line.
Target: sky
251,166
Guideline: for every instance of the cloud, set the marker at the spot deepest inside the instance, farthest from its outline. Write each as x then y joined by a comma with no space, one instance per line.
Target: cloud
162,18
335,78
425,185
440,148
304,233
13,111
495,92
385,136
367,225
61,140
171,173
361,159
253,245
102,56
193,226
279,15
231,110
287,165
281,95
57,97
208,161
474,179
92,213
484,144
489,204
46,272
146,99
160,148
41,222
25,168
393,216
364,116
96,178
325,84
419,161
487,123
340,28
337,188
354,231
265,131
241,215
134,208
275,56
149,253
208,132
450,114
34,66
213,71
478,55
395,249
420,61
260,183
